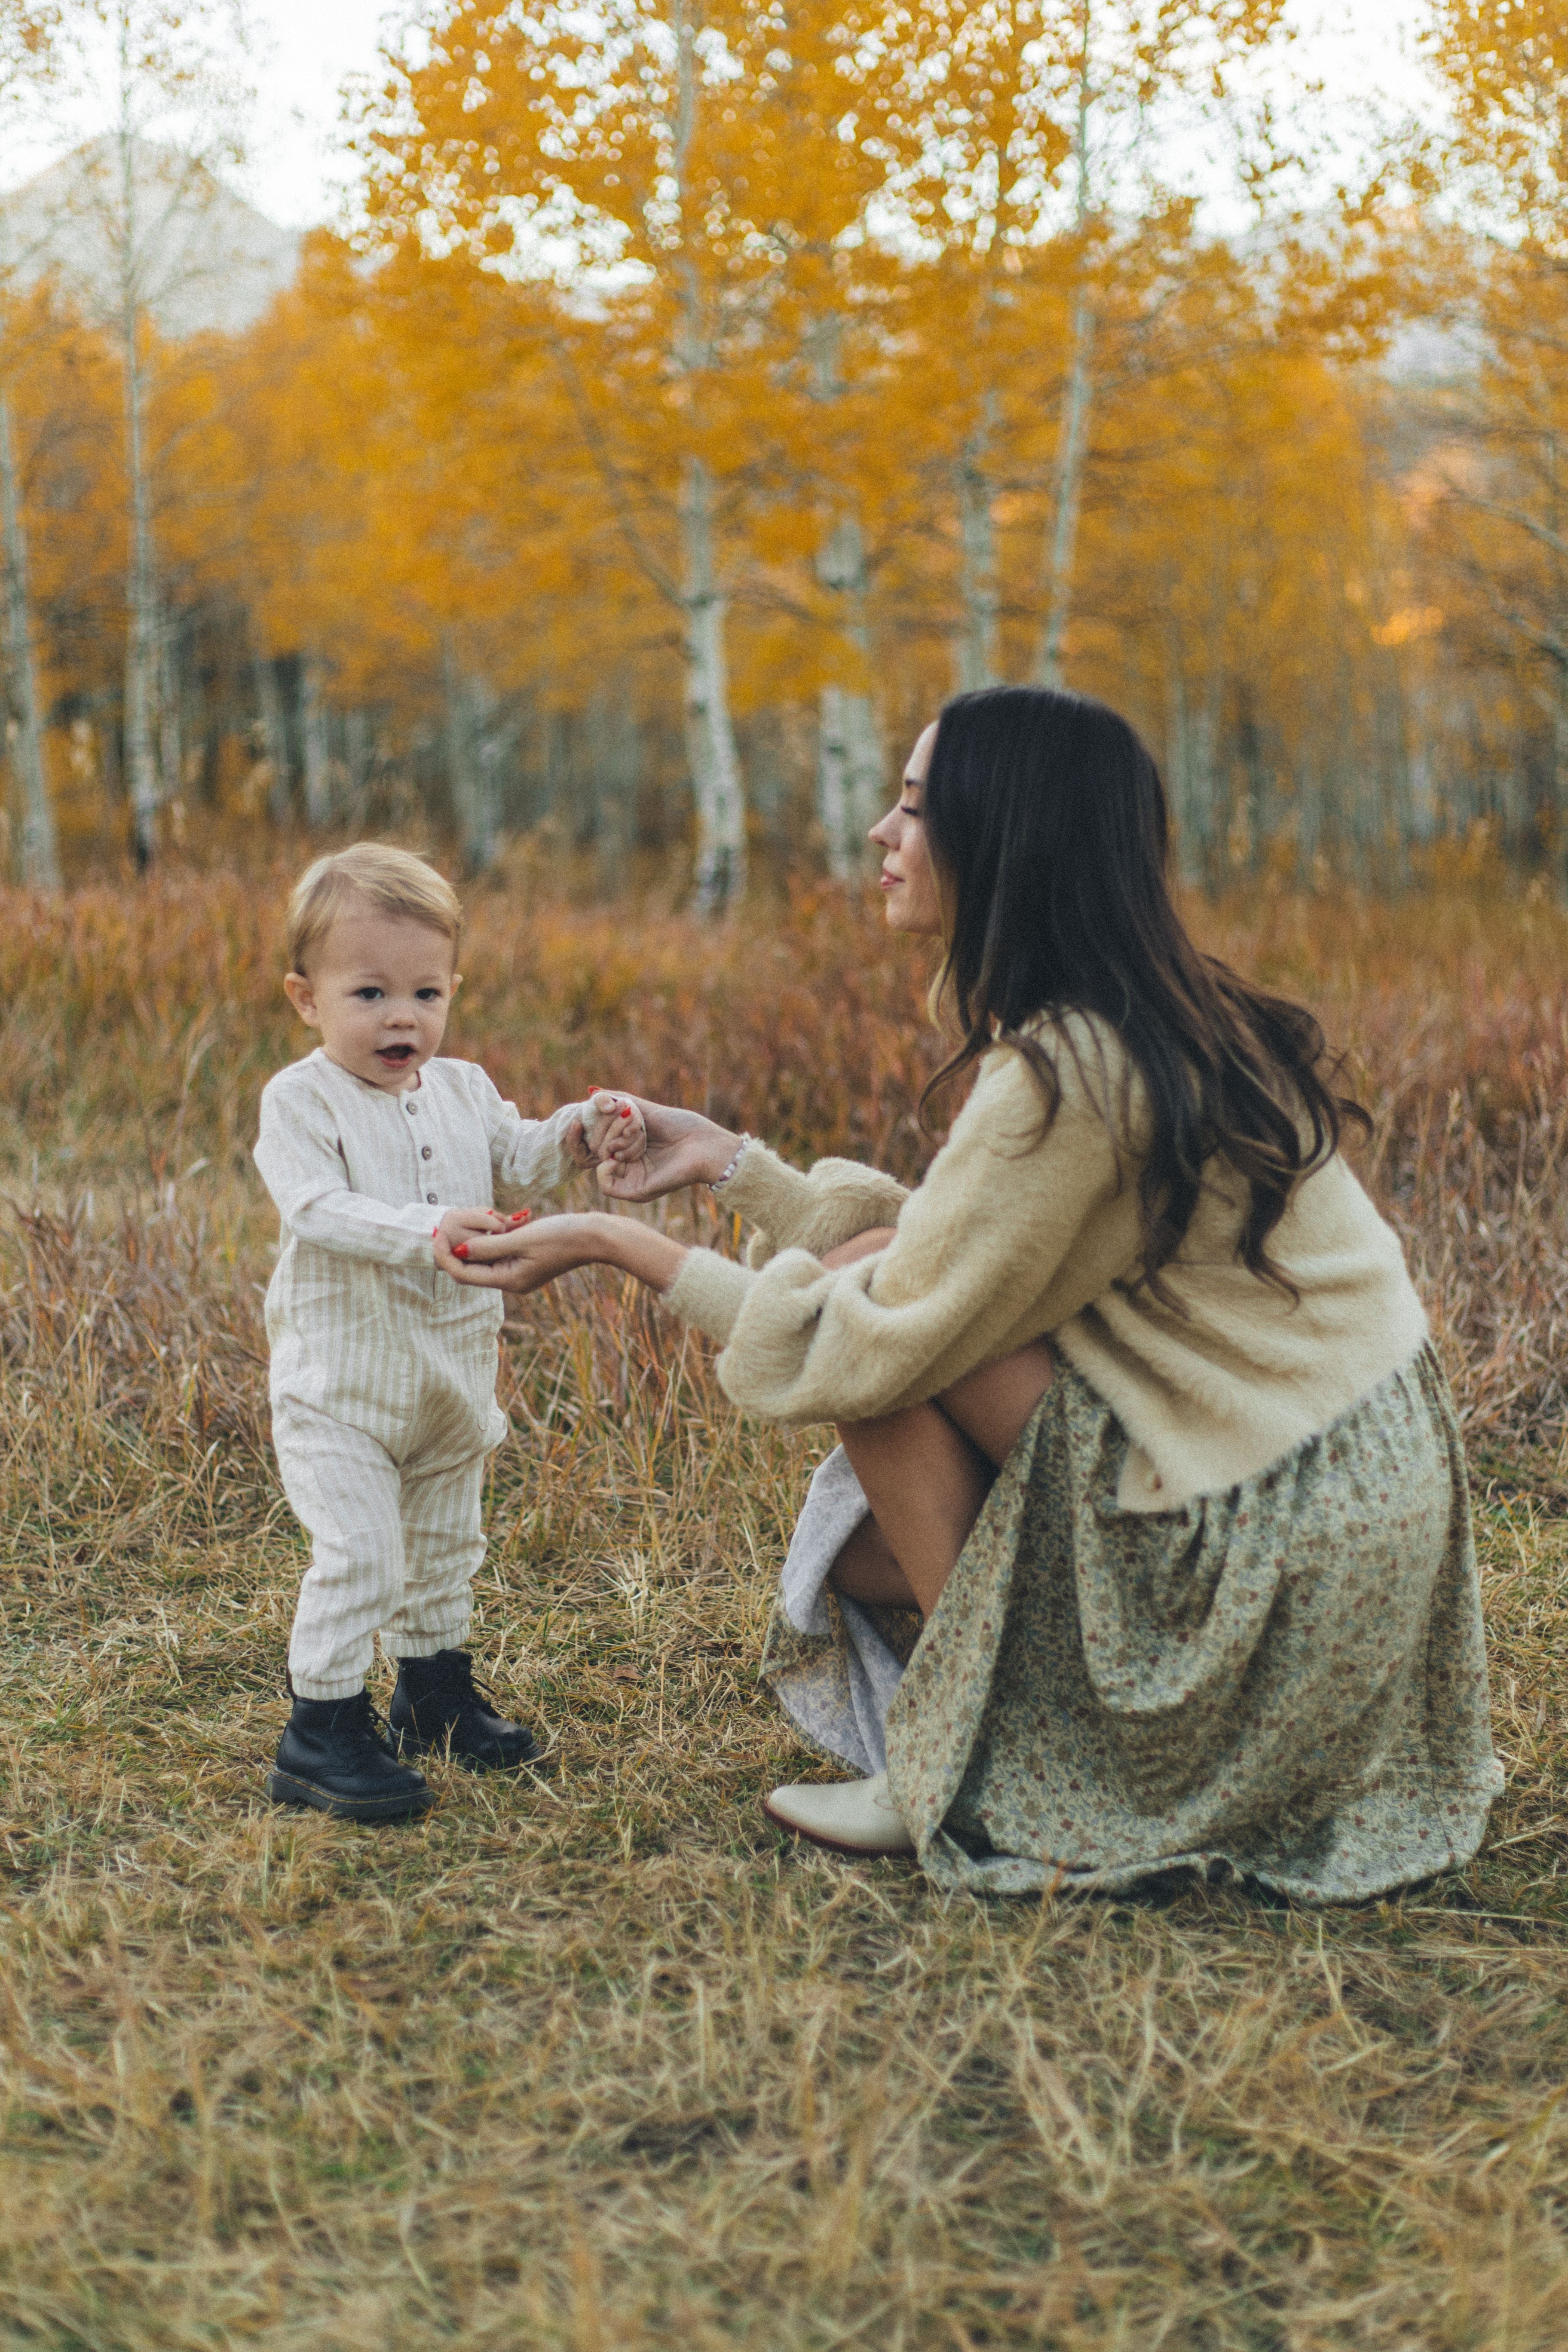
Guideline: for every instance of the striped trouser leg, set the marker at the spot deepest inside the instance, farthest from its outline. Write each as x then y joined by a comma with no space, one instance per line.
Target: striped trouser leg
444,1546
346,1491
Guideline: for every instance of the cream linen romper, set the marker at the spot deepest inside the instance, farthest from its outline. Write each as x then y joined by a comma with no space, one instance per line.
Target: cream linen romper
384,1369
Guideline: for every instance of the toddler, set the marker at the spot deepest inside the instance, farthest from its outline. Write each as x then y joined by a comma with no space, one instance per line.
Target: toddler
384,1369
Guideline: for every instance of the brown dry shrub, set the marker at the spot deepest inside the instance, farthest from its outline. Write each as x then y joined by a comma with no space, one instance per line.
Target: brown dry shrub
596,2062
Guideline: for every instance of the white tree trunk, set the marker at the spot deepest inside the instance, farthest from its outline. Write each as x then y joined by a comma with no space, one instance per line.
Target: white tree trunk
721,872
977,560
315,758
274,736
171,729
39,862
716,787
1072,444
142,617
1190,761
357,759
613,754
1072,449
471,753
849,757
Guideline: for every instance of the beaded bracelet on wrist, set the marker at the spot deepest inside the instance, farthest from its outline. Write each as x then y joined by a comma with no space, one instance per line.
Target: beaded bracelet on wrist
735,1163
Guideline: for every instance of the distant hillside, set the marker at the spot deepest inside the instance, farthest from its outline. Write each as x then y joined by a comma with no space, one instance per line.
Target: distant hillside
208,259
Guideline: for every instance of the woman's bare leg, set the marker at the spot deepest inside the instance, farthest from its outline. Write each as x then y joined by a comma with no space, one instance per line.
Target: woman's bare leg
926,1484
926,1473
867,1569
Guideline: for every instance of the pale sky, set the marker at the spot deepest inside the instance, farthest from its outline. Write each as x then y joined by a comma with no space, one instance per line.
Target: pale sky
302,52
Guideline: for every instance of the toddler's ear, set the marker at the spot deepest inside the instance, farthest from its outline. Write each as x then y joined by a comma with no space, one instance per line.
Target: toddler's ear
297,988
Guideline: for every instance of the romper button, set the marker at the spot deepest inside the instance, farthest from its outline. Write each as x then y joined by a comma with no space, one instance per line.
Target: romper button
412,1109
431,1198
425,1151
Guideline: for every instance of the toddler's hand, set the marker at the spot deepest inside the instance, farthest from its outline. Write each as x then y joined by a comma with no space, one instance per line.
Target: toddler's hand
459,1226
614,1130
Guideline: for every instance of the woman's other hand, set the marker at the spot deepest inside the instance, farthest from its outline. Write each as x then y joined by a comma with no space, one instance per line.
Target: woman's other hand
525,1257
683,1148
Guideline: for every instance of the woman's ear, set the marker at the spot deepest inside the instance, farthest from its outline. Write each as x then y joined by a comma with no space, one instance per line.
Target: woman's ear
302,997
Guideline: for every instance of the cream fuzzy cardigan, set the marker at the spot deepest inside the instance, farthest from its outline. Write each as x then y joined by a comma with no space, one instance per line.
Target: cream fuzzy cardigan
1012,1237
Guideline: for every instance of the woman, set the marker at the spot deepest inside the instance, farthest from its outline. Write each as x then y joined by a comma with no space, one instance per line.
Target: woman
1135,1400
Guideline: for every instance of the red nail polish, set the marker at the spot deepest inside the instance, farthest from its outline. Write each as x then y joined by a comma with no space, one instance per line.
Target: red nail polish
460,1250
520,1216
626,1110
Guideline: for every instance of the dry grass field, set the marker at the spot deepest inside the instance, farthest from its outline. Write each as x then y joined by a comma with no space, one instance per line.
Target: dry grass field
595,2059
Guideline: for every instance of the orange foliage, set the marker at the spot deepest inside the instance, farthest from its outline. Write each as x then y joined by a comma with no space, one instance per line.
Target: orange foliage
487,480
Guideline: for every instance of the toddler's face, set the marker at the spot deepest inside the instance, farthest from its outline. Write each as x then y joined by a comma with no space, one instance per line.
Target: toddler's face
379,989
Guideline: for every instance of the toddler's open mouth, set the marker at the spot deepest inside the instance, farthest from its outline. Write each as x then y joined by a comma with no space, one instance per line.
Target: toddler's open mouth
394,1056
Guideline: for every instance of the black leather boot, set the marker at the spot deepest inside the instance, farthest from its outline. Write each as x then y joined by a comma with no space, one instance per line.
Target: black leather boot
334,1755
438,1709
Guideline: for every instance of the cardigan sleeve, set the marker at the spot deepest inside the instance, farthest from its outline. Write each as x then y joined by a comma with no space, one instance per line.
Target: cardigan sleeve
301,1166
991,1230
836,1199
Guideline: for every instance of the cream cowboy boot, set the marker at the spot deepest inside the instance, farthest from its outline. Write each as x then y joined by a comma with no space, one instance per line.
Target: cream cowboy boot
850,1816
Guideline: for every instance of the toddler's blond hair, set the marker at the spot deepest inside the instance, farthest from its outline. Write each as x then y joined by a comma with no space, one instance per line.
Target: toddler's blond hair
371,878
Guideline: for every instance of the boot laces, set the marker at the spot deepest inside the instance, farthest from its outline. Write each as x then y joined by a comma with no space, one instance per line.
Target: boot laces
363,1720
477,1693
460,1685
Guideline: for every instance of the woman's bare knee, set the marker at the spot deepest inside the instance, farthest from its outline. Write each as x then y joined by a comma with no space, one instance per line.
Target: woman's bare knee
866,1244
994,1404
926,1485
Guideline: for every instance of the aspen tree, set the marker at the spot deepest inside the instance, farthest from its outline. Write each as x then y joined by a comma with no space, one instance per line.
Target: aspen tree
1504,512
1035,204
606,132
844,87
27,61
1111,62
146,191
658,142
993,154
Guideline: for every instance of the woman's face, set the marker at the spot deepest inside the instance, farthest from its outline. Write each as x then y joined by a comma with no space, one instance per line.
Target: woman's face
908,877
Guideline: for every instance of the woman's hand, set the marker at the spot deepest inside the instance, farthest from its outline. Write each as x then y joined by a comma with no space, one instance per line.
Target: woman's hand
526,1258
683,1148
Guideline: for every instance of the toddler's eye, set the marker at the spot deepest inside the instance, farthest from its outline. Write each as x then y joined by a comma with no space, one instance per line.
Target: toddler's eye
367,995
428,995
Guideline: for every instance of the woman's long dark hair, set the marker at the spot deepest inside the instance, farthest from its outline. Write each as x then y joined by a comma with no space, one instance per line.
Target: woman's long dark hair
1048,827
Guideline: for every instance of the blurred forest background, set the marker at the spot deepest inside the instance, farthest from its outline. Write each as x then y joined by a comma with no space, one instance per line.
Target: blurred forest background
703,391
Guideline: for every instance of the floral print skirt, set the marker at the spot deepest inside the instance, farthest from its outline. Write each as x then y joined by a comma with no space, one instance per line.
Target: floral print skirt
1285,1682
